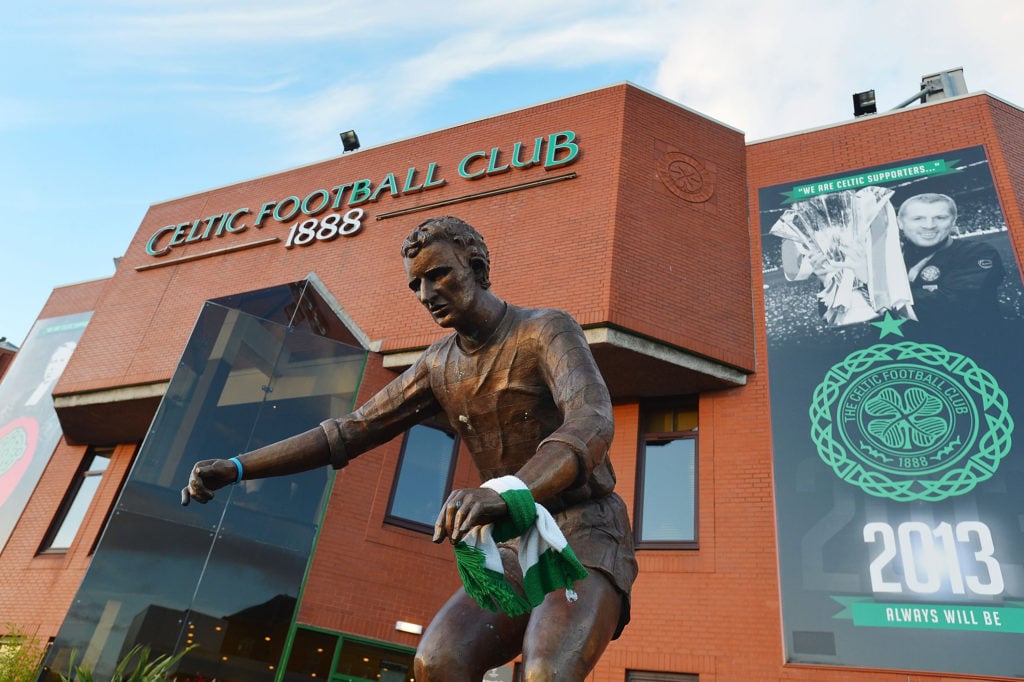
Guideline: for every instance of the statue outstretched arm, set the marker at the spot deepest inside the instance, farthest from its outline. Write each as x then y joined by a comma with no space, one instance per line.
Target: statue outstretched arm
404,402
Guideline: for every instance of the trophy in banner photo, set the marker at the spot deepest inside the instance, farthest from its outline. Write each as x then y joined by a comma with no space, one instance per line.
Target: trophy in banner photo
850,241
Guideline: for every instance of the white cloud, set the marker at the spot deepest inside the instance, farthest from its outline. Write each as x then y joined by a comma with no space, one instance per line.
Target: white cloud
782,67
423,79
309,125
766,68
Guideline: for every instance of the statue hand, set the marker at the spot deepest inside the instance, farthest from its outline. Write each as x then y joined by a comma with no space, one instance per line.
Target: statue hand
208,475
465,509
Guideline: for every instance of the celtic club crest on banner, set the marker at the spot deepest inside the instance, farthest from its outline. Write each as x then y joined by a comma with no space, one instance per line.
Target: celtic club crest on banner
910,421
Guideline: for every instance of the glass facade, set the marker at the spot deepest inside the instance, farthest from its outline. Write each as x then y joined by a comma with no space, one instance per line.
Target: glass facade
224,576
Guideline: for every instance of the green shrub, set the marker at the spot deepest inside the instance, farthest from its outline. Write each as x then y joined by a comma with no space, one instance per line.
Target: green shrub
20,656
145,670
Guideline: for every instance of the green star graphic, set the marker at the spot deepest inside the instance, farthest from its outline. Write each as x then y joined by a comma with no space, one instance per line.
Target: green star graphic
890,325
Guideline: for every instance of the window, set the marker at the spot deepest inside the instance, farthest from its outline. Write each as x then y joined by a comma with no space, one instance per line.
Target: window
76,503
643,676
361,661
315,653
424,477
666,514
311,656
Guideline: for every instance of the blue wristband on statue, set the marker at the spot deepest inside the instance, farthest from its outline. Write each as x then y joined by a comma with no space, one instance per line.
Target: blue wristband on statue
238,465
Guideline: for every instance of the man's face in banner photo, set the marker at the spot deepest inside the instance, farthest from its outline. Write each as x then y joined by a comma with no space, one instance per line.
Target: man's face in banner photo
927,220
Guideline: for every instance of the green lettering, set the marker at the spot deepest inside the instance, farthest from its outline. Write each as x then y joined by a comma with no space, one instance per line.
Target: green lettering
321,193
388,183
151,244
430,181
177,238
557,143
339,194
465,162
409,187
492,163
360,193
211,221
229,224
291,214
192,237
535,159
264,210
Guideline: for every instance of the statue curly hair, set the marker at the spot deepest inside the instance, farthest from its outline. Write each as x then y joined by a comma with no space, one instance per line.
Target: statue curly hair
470,244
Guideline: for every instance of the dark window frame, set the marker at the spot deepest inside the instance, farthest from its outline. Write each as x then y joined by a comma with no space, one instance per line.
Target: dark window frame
411,524
651,676
113,499
646,438
84,471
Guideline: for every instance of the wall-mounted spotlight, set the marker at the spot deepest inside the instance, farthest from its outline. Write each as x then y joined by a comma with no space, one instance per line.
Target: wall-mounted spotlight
411,628
864,103
349,140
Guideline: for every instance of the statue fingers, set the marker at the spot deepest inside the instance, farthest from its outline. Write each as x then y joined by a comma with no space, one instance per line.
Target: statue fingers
462,520
446,516
198,481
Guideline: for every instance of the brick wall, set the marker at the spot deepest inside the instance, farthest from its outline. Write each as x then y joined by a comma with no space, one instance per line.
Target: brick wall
581,244
713,611
36,589
680,248
74,298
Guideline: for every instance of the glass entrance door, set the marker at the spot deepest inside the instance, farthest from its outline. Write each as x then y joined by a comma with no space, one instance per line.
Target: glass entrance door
223,577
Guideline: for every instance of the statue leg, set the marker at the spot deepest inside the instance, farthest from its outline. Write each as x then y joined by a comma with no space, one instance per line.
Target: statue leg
564,640
464,641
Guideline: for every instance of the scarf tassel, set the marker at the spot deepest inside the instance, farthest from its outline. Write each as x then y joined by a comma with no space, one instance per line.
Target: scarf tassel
488,588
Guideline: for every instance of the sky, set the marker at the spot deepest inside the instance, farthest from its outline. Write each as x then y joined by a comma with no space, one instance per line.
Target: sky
107,107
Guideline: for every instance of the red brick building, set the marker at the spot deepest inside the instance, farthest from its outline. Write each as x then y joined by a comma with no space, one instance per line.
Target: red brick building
7,351
245,313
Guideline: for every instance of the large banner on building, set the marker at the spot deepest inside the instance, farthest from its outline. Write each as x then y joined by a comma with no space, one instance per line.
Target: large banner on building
29,429
893,306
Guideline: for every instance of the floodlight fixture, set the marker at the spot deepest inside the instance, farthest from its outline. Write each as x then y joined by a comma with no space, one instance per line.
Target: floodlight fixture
349,140
864,103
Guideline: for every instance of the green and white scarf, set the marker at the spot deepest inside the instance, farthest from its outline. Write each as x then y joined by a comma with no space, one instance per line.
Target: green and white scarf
547,561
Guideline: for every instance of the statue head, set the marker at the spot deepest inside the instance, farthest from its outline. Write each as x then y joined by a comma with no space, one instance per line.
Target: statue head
467,243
